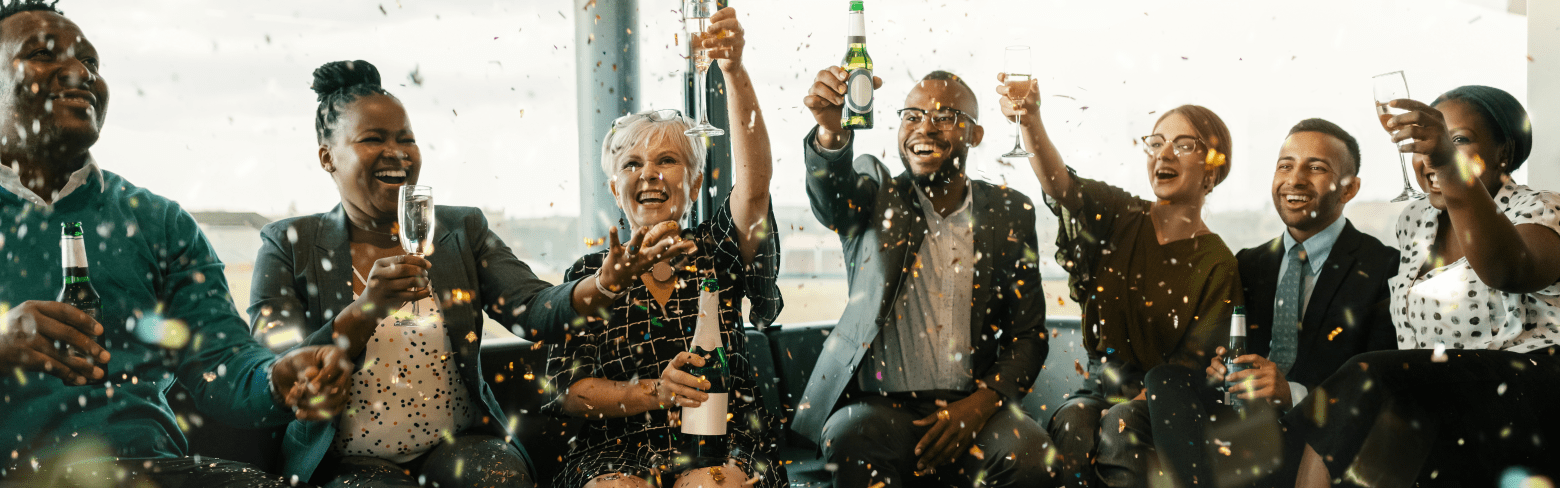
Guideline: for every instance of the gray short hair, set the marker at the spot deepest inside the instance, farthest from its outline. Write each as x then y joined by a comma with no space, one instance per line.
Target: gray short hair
652,126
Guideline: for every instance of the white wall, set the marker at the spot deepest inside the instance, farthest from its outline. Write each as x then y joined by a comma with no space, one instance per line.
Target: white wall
1543,101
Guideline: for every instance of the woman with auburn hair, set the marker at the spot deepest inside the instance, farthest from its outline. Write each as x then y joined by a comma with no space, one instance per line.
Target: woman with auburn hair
1156,286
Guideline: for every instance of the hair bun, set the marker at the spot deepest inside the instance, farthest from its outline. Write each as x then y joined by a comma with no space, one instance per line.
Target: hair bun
337,75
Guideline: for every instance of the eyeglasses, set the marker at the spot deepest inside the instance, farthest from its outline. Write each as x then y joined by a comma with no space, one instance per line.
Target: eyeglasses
942,119
1182,146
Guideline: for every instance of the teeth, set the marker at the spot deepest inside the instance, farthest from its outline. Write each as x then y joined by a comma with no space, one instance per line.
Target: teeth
1432,178
922,147
1298,198
394,173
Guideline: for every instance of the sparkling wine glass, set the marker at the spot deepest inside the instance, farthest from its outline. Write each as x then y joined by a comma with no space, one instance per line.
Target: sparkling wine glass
1389,87
1016,65
696,18
415,212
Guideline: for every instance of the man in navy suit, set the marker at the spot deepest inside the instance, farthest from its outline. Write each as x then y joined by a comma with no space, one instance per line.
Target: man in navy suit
1339,274
1315,296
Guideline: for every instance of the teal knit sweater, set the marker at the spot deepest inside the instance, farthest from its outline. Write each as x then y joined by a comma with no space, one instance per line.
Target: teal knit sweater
167,316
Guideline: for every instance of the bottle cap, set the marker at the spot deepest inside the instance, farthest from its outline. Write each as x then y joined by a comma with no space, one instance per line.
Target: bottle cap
855,5
1240,310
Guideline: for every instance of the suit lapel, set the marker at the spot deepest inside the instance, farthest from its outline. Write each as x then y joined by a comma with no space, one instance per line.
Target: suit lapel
902,241
333,269
984,220
1340,262
1260,302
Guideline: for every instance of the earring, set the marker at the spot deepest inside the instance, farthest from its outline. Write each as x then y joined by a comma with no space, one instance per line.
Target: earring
330,168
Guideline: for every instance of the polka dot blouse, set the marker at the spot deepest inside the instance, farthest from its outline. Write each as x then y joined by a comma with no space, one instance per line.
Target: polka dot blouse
407,396
1449,305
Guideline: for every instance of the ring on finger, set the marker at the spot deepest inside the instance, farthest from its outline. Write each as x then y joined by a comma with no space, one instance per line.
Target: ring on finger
943,415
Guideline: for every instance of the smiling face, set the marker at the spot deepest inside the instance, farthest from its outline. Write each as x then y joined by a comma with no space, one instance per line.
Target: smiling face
1179,178
1477,151
651,180
930,153
1312,181
371,154
52,92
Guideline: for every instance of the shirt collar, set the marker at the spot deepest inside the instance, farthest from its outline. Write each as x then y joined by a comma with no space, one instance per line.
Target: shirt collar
926,201
1318,246
11,181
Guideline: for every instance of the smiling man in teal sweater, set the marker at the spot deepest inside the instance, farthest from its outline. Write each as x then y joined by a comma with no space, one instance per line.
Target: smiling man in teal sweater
165,315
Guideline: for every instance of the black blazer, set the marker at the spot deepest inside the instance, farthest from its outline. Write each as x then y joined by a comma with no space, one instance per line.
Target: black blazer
880,225
1349,309
303,278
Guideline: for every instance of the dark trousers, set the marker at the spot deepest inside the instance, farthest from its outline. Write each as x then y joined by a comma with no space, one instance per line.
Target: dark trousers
1084,456
871,439
183,472
470,460
1468,417
1199,440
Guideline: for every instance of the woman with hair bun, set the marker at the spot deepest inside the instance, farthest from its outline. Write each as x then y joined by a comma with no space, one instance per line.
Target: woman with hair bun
418,407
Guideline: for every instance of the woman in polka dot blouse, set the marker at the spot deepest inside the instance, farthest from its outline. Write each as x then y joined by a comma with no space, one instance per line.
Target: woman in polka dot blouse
1475,303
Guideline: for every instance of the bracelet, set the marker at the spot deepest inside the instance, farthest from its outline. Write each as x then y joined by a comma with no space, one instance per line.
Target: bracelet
603,289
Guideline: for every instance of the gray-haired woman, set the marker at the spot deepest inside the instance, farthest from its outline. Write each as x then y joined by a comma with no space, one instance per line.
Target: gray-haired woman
625,373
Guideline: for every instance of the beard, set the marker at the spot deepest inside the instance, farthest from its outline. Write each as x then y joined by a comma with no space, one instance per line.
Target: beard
953,165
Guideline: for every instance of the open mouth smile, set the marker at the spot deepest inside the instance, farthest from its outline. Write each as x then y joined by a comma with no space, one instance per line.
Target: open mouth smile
925,149
391,176
653,197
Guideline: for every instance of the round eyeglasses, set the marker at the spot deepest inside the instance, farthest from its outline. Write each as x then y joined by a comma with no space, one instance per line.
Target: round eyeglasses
1182,146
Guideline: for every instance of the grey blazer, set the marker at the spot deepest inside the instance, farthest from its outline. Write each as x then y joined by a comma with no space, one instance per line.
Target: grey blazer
880,224
303,278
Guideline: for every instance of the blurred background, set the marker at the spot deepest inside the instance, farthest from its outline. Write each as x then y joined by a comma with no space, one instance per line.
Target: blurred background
211,103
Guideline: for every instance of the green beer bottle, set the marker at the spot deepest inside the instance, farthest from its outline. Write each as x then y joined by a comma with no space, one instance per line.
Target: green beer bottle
78,291
857,112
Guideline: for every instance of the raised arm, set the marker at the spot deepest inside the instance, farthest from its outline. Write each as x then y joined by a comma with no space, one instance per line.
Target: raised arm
1045,160
752,164
839,194
1510,257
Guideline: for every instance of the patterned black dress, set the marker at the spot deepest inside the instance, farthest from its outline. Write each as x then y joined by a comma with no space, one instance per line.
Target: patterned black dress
641,338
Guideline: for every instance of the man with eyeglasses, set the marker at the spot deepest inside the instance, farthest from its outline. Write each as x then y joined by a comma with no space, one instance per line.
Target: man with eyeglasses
945,329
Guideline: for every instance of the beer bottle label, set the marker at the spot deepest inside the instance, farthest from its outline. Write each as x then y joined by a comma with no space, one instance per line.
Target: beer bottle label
859,91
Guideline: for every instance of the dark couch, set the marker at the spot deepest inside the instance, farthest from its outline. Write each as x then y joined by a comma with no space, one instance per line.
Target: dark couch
516,369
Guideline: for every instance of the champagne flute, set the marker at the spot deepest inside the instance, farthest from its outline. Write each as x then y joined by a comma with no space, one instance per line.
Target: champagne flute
416,219
696,18
1389,87
415,222
1016,65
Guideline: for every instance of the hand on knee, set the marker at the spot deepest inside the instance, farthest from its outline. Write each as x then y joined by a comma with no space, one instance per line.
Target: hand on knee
617,480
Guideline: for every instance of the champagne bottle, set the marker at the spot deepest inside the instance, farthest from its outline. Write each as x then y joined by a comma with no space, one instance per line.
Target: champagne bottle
703,440
1237,348
78,291
857,112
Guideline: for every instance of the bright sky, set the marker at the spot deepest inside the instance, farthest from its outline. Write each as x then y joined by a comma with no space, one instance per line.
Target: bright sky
211,106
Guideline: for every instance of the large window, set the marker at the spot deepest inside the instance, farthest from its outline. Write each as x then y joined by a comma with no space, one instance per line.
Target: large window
211,103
